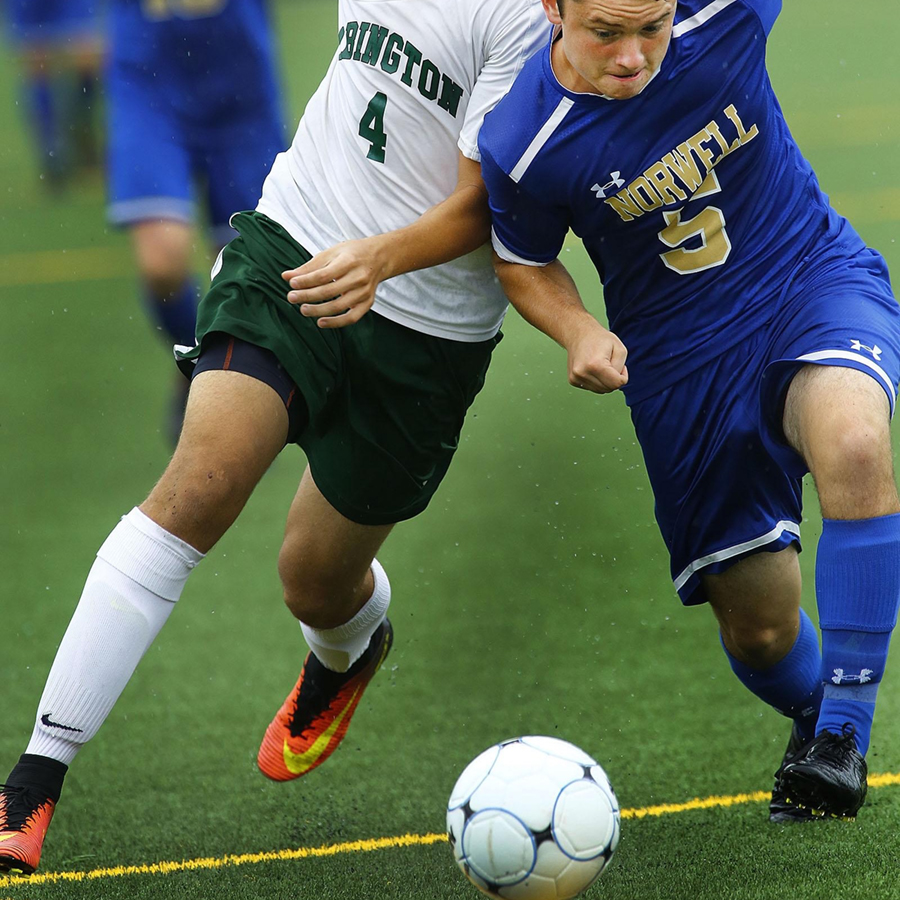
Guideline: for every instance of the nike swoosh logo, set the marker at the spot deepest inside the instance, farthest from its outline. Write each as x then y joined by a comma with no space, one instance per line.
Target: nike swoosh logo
51,724
8,835
298,763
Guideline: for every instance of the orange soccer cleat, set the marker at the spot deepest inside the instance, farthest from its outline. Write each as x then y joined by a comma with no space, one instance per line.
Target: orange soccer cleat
314,718
24,818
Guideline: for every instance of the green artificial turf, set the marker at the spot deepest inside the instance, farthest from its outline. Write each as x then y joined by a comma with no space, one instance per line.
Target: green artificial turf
533,595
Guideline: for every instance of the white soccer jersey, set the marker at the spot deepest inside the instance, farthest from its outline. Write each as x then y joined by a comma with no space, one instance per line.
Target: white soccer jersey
410,82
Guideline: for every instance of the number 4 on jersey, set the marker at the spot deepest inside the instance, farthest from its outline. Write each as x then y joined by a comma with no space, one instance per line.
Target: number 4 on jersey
371,127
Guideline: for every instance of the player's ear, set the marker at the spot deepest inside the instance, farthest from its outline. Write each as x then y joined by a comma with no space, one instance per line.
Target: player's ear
551,9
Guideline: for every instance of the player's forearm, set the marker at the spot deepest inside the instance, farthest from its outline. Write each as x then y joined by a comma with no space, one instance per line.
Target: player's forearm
458,225
546,297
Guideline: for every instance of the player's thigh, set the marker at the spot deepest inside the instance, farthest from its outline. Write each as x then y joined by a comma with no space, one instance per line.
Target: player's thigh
324,553
719,495
830,384
148,163
757,602
838,420
234,426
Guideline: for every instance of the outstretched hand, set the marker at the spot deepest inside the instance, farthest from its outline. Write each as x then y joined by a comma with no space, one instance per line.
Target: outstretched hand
337,286
597,360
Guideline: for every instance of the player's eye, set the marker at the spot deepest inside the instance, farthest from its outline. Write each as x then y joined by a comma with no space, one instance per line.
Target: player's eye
605,35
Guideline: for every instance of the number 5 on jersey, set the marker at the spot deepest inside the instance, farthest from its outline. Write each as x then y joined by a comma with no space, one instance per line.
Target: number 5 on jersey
371,127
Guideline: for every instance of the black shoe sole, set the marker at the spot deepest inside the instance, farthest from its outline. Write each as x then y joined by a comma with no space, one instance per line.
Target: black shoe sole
807,794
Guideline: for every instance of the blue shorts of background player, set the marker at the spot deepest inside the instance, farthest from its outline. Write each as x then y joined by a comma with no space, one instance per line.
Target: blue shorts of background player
166,165
170,167
725,480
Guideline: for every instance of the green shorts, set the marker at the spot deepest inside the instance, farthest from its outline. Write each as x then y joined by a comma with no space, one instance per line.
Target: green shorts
386,403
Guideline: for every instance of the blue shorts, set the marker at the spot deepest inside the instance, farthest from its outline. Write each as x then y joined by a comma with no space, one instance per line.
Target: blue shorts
725,481
42,21
160,159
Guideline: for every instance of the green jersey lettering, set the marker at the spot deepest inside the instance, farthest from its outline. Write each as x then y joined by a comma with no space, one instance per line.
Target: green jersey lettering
373,45
363,29
370,55
413,57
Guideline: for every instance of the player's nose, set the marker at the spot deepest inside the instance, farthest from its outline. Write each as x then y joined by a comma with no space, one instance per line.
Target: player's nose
630,56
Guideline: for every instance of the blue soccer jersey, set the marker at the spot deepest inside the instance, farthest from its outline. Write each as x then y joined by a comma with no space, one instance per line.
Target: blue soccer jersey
213,57
692,198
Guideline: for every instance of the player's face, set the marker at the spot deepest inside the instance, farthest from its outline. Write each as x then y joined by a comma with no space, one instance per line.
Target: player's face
610,47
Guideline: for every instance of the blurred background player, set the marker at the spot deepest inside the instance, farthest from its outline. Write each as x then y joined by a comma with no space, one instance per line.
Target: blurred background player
60,48
194,123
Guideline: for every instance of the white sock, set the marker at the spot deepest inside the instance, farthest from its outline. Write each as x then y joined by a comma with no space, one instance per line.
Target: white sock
338,648
139,573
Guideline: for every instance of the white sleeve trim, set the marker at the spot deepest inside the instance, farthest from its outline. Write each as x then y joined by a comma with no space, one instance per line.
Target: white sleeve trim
541,138
508,256
696,20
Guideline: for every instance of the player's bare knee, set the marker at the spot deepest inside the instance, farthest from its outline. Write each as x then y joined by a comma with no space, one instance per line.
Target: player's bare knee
197,503
320,599
759,646
319,605
854,473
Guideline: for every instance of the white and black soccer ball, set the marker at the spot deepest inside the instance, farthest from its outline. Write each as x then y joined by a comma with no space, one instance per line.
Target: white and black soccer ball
534,818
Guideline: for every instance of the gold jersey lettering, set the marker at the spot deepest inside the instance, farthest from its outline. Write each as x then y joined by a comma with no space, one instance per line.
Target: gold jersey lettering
661,179
704,154
691,163
681,162
744,136
716,132
625,206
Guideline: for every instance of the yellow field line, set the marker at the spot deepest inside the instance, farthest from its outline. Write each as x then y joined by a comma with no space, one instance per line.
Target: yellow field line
64,266
367,846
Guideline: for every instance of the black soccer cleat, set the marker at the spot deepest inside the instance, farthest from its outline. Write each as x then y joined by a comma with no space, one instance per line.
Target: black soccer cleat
828,775
781,810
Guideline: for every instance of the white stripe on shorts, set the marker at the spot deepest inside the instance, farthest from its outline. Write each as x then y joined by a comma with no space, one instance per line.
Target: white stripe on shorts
720,555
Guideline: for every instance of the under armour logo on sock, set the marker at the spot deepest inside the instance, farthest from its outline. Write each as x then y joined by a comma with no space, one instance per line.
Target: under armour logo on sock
840,677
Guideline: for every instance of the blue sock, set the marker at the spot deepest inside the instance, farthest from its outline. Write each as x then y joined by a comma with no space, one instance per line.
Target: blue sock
858,592
41,108
177,314
793,686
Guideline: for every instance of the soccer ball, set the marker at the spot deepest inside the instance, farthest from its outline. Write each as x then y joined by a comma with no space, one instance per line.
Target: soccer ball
533,818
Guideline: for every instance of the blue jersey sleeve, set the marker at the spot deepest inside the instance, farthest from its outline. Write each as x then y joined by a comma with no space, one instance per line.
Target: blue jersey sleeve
525,229
767,10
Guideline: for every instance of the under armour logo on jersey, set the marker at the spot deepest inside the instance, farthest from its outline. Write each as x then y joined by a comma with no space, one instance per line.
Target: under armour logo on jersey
876,351
615,183
841,677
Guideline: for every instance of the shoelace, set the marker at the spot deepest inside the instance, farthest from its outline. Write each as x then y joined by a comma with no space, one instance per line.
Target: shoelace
841,745
22,803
